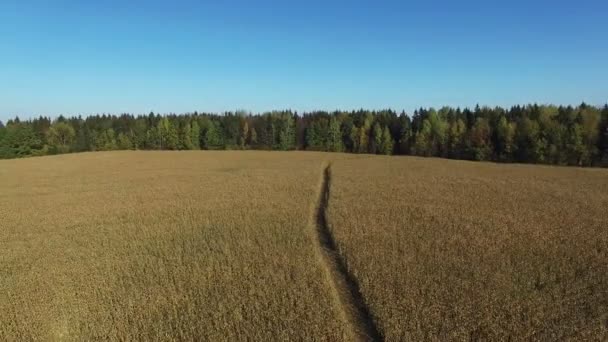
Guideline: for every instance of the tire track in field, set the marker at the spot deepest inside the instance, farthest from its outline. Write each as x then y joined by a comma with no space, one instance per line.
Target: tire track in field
344,286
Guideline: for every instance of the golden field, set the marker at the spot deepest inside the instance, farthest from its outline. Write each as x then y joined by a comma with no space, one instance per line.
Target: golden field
162,246
456,250
230,246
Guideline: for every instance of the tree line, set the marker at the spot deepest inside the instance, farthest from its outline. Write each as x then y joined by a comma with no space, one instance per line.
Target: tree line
545,134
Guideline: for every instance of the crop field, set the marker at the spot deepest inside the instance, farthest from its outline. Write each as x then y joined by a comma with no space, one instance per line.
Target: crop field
156,246
453,250
252,245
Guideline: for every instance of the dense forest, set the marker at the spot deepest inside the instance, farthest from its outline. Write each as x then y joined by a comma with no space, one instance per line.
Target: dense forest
528,134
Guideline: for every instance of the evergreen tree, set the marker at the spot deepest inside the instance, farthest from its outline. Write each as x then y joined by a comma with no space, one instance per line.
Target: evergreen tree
376,146
253,137
423,139
437,143
456,139
211,137
531,133
405,134
590,119
528,144
167,134
603,138
124,142
285,132
334,137
575,146
153,139
387,144
185,137
505,132
19,140
480,141
106,141
195,133
140,130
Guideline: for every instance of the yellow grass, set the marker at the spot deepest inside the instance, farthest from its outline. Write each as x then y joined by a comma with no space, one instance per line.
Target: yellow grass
454,250
240,246
162,245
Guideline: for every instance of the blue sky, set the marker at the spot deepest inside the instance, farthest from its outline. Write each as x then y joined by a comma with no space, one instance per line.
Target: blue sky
84,57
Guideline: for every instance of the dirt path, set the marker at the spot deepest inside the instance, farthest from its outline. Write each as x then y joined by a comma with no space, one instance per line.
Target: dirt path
345,288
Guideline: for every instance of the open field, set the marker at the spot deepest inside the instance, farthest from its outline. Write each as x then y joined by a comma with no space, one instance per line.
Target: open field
156,246
452,250
299,246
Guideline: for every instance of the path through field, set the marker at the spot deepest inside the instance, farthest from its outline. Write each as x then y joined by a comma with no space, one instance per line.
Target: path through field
345,288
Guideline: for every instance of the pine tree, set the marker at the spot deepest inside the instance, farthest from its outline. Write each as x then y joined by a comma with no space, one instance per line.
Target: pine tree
124,142
456,137
334,138
422,141
387,145
505,132
185,138
211,137
377,142
480,140
253,137
169,139
405,134
195,133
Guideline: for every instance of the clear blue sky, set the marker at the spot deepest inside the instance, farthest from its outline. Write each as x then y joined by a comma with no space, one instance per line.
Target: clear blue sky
83,57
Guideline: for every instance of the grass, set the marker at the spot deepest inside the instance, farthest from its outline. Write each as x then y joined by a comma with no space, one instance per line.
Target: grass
162,246
266,246
454,250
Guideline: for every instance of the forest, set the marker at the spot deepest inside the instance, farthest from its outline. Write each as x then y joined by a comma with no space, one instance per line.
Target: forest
541,134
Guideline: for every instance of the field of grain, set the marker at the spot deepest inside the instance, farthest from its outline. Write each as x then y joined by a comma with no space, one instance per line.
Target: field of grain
162,245
454,250
265,246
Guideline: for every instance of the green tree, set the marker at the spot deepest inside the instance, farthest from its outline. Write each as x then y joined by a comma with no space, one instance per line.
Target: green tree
603,137
334,138
505,132
185,138
60,136
456,139
590,119
423,139
168,135
480,140
153,140
316,135
19,140
575,146
377,141
405,134
140,131
363,143
106,141
211,137
124,142
285,132
253,137
195,135
437,139
528,142
387,143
